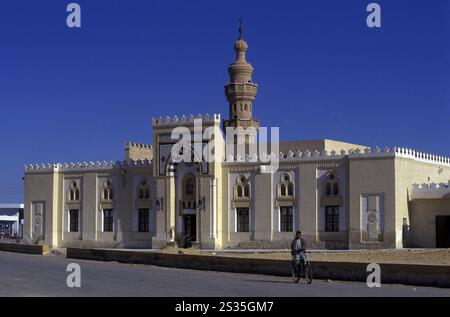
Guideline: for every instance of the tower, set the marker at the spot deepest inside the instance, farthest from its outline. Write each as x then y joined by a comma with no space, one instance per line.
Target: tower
241,92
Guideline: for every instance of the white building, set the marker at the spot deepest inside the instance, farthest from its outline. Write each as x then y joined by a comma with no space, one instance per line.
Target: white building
10,220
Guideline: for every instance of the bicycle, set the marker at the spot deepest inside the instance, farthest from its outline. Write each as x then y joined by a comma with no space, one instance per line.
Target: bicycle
301,268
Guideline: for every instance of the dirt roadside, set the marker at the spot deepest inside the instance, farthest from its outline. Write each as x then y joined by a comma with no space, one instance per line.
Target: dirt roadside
409,256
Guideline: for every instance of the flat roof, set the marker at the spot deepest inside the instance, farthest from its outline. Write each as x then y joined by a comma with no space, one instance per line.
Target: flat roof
12,206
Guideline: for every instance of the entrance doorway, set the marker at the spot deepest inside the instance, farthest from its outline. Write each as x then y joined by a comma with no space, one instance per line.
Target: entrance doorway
442,231
189,230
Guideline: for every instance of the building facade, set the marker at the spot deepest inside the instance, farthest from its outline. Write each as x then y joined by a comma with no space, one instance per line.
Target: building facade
340,195
11,221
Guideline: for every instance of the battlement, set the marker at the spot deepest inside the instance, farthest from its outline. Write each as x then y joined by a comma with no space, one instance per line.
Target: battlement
130,145
422,156
312,155
308,155
138,151
184,120
430,191
85,166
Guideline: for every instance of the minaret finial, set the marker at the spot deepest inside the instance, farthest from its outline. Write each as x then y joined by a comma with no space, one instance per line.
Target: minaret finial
241,28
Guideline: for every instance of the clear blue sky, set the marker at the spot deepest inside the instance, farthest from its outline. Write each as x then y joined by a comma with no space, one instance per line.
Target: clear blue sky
78,94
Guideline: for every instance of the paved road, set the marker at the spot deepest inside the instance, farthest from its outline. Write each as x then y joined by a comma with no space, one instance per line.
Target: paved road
34,275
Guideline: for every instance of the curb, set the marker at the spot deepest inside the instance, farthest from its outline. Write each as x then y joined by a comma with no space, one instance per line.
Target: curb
24,248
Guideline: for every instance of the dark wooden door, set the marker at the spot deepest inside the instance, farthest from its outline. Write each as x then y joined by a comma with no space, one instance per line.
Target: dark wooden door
190,230
442,231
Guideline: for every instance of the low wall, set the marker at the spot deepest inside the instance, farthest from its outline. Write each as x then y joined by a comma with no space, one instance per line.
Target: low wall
24,248
421,275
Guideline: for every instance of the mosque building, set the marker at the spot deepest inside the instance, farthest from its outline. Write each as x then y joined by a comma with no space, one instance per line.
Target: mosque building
340,195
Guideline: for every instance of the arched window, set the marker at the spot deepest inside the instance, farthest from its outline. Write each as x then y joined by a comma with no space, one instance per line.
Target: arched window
331,185
242,188
144,192
239,191
188,192
246,107
74,191
283,190
285,186
290,189
107,190
328,189
246,190
190,184
189,187
336,189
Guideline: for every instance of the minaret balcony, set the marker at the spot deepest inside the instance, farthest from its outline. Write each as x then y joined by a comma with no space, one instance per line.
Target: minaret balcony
241,90
234,123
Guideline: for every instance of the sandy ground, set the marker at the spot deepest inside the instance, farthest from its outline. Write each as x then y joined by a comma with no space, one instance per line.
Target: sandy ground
409,256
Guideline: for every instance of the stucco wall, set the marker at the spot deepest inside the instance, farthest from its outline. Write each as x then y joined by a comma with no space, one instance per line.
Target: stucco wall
372,176
423,221
40,187
407,173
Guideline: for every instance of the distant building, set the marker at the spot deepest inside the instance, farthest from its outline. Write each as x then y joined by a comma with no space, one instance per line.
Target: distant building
340,195
11,218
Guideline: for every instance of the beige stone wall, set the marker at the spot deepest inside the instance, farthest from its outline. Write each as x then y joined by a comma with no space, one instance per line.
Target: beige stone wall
372,176
307,192
422,233
319,145
264,202
51,188
386,176
137,151
40,187
331,145
409,172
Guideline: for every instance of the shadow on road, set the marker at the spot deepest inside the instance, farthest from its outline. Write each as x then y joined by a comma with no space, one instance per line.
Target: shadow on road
270,281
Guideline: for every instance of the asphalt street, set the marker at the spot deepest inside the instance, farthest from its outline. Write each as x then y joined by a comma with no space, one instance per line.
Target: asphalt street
35,275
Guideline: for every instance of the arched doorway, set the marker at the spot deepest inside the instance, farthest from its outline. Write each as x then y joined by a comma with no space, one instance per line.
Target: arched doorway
189,210
183,190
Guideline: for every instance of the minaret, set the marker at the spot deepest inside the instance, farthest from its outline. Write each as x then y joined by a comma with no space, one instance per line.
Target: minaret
241,90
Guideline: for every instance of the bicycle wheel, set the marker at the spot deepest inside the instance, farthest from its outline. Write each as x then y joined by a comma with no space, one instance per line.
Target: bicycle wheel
308,273
295,274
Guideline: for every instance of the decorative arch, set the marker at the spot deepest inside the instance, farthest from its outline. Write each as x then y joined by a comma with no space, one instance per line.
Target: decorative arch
74,191
143,190
242,188
286,187
170,165
107,190
332,185
189,187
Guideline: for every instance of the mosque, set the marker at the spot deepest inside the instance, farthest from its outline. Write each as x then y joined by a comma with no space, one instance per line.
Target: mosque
340,195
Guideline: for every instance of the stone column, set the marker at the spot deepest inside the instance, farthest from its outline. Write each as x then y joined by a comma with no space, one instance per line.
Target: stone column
214,209
170,208
159,241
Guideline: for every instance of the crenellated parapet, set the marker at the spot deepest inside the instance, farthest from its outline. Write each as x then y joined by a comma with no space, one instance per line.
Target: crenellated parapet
85,166
430,191
315,155
138,151
185,120
422,156
131,145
